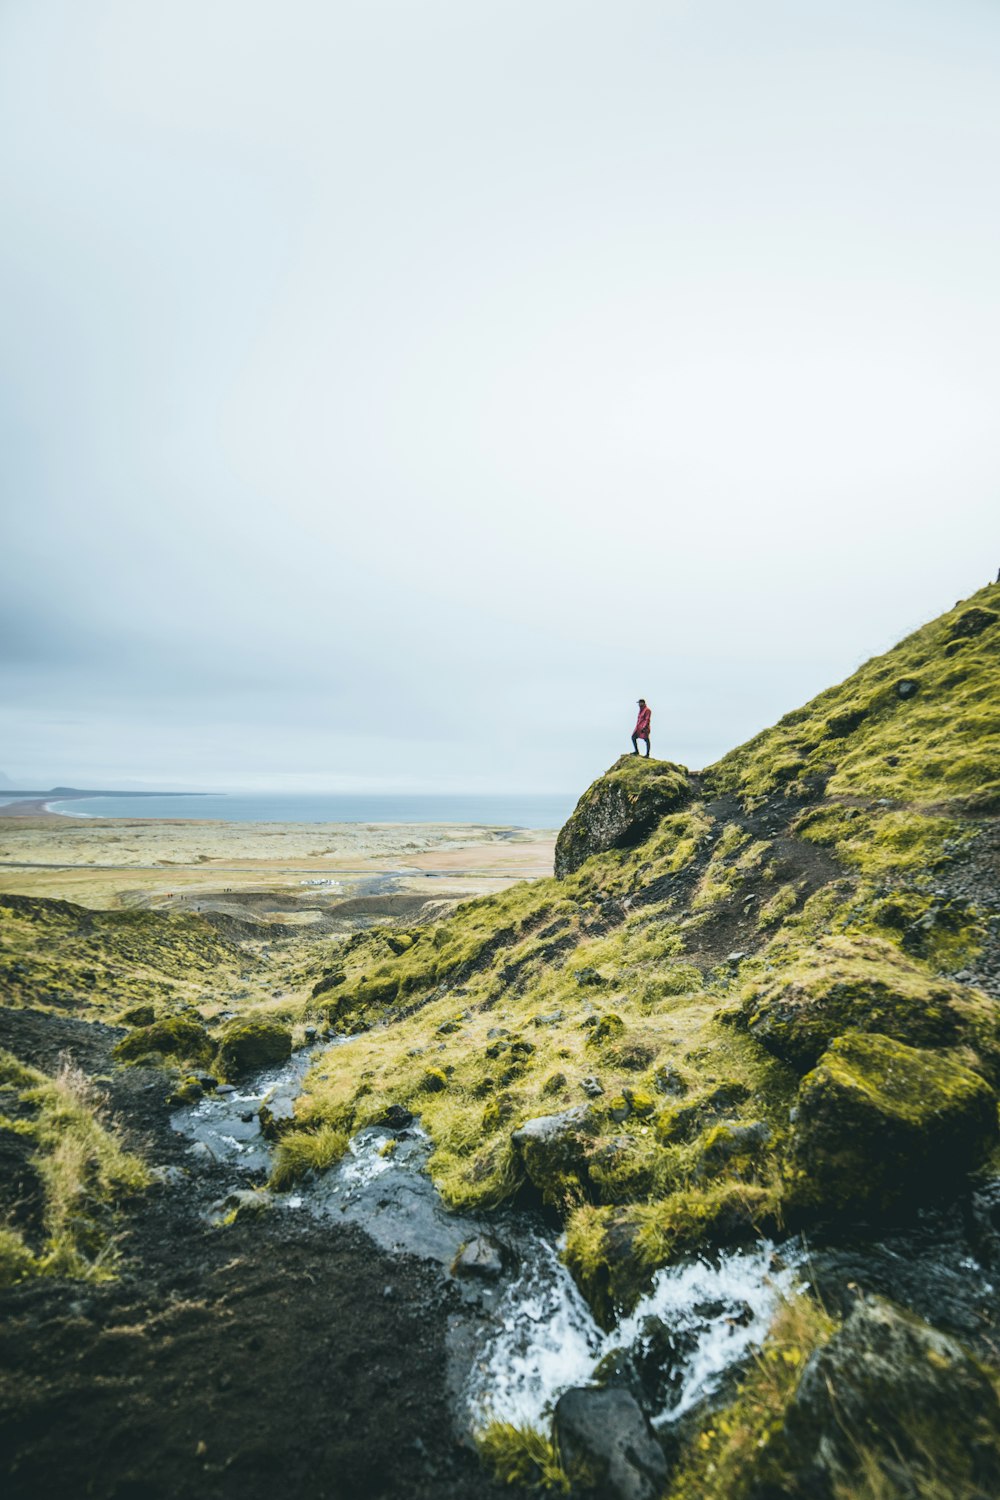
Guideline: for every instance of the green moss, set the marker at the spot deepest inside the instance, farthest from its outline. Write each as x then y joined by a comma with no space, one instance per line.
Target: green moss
724,874
176,1036
879,843
681,1122
734,1452
879,1124
17,1263
302,1151
608,1028
773,912
613,1253
58,955
523,1457
872,737
187,1091
138,1015
861,983
251,1043
84,1170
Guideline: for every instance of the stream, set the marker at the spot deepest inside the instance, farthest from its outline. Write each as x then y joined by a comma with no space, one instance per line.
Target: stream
526,1334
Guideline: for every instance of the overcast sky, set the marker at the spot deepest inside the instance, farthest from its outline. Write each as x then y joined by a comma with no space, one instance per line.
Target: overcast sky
391,392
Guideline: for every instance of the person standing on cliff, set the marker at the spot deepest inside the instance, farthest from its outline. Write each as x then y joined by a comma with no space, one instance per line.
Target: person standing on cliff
641,730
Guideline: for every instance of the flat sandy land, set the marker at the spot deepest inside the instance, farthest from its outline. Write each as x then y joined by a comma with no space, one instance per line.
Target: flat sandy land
161,862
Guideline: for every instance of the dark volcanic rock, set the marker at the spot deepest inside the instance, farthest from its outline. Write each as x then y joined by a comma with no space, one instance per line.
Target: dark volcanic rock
479,1257
620,809
607,1445
890,1386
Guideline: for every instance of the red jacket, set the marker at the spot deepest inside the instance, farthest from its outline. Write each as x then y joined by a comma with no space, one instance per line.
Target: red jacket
641,730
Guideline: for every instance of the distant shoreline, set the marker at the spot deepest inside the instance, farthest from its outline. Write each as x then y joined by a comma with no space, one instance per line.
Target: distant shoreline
537,811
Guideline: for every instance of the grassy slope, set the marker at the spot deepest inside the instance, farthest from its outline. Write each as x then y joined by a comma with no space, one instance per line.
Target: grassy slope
102,965
76,1158
942,744
814,851
487,1020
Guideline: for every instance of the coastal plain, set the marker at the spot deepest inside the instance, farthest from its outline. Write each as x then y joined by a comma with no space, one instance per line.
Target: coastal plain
179,863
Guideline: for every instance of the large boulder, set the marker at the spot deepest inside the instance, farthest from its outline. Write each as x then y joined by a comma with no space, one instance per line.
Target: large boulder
607,1446
252,1043
178,1037
891,1393
620,809
553,1150
880,1125
862,984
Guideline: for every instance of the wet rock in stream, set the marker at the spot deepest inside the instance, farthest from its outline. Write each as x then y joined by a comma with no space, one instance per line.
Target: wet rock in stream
607,1445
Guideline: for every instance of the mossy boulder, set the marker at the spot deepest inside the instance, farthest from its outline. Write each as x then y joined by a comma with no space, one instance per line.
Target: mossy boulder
138,1015
553,1151
892,1394
861,984
880,1125
175,1036
253,1043
740,1150
682,1122
620,809
188,1091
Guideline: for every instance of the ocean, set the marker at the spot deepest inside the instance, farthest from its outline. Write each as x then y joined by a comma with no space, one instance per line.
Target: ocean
531,810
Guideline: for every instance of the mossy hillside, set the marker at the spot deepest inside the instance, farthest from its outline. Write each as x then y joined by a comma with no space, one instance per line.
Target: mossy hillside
797,1006
81,1166
886,843
379,972
919,724
100,964
590,996
475,1072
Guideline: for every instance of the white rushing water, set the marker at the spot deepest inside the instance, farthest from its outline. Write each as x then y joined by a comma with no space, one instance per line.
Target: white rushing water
697,1321
538,1336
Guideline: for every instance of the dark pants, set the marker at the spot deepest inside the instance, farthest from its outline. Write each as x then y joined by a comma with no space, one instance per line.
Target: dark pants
645,741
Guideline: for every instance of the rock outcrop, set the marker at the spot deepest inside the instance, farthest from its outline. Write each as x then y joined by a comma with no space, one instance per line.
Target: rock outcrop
621,808
862,984
553,1151
891,1390
253,1043
879,1124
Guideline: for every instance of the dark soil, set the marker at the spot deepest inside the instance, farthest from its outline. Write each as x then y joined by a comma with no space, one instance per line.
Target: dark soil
732,925
271,1358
